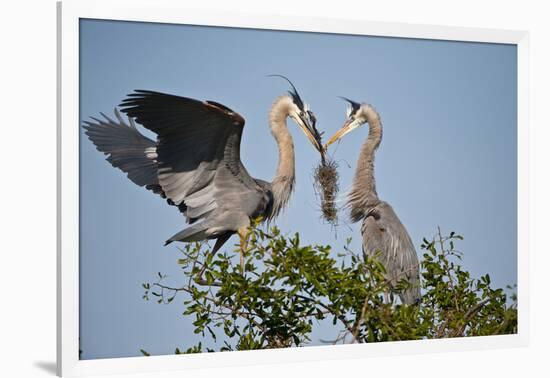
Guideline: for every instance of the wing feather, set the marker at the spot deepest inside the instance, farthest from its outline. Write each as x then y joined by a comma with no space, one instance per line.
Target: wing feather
198,152
383,232
125,148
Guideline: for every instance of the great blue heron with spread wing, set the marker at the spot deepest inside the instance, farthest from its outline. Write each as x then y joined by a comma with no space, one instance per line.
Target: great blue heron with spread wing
195,162
382,231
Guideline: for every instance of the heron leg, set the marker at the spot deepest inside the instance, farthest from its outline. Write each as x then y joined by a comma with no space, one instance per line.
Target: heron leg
243,239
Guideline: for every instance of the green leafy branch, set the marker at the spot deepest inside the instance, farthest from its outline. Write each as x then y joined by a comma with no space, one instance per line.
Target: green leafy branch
286,289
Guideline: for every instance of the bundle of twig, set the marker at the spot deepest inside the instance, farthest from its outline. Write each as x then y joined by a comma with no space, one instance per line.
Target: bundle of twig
326,186
326,178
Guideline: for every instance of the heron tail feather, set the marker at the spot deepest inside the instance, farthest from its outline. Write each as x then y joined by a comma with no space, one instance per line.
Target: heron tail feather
196,232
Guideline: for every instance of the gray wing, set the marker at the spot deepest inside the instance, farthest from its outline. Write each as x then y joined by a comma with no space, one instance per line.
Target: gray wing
383,232
267,188
126,148
198,157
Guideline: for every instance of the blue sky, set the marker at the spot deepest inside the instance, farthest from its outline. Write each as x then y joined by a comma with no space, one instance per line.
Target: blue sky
448,157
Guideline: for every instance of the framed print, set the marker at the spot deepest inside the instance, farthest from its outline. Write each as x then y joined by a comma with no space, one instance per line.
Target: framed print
237,189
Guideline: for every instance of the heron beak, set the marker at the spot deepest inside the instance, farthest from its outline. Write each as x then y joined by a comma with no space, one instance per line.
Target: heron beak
350,125
311,133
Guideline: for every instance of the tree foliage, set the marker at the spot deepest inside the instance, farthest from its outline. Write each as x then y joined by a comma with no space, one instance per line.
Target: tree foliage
286,289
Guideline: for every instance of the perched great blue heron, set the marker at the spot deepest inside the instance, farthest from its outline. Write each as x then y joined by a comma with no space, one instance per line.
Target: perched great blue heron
382,231
195,162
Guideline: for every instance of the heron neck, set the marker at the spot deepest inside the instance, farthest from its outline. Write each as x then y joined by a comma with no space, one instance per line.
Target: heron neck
363,195
283,182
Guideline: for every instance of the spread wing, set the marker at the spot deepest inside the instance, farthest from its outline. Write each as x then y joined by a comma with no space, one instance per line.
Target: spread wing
197,152
126,148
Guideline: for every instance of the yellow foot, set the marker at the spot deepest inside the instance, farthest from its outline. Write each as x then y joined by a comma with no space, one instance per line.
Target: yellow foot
242,260
243,238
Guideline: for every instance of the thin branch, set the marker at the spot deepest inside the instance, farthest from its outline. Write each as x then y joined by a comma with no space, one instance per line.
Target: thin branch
247,315
342,318
359,321
469,315
451,282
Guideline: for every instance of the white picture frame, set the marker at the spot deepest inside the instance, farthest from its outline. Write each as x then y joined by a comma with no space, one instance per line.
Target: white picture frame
69,13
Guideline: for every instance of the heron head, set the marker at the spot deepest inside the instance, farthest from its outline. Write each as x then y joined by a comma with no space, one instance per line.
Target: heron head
306,120
301,113
356,115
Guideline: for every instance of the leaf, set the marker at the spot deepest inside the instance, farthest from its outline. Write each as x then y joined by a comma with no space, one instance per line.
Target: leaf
288,289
